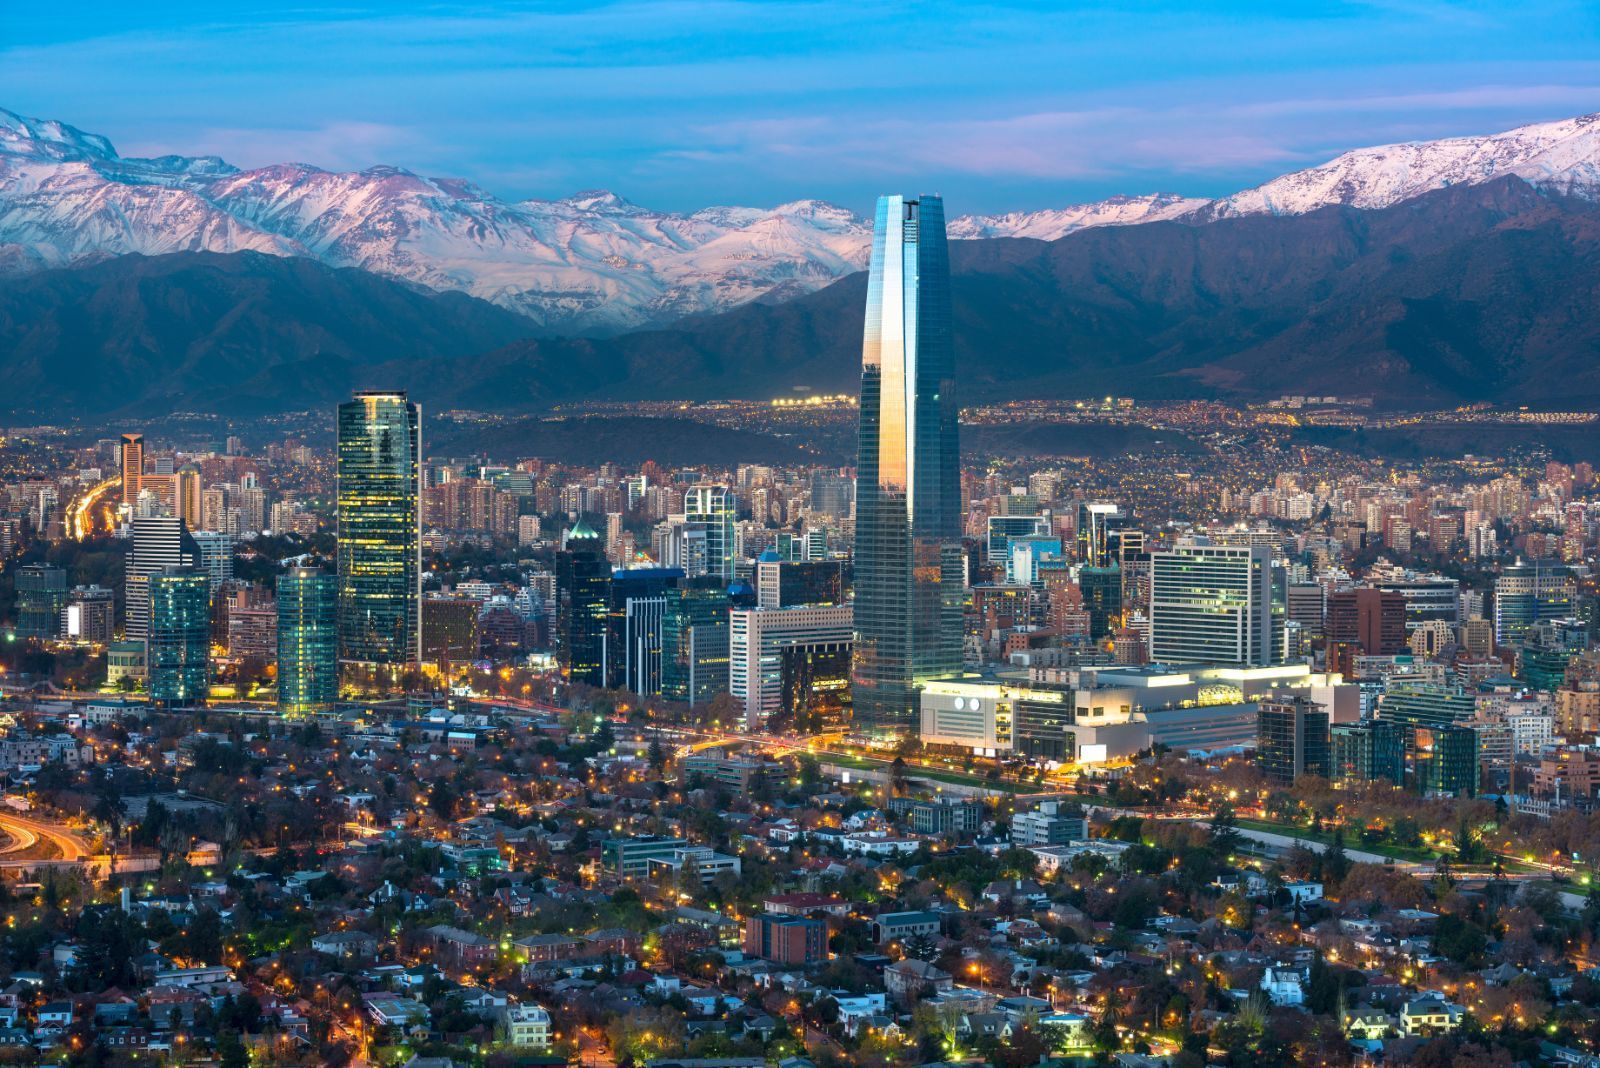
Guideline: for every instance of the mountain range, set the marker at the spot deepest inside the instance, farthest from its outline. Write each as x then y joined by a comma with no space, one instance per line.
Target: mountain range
596,264
1441,272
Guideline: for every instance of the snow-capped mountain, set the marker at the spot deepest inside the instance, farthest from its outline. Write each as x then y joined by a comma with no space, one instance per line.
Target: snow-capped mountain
1563,156
590,262
594,262
1052,223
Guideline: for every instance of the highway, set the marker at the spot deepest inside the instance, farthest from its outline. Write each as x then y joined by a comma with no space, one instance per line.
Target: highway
81,514
70,846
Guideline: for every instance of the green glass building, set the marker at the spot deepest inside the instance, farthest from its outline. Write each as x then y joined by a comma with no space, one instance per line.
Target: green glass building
41,596
1370,750
380,532
694,641
178,640
308,641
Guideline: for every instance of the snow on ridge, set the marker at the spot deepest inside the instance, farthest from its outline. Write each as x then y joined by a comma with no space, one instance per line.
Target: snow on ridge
596,262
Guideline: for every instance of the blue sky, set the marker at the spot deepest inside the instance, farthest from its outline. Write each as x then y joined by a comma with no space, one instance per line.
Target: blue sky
684,104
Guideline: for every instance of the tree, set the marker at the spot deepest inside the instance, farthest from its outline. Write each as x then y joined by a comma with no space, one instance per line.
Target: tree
230,1051
1225,836
897,776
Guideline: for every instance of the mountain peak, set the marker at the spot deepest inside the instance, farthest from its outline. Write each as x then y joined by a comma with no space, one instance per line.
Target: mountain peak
601,200
47,139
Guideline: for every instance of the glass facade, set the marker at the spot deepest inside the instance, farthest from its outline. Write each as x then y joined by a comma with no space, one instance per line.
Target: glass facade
178,642
41,596
694,642
1369,750
308,641
909,570
714,506
583,601
380,531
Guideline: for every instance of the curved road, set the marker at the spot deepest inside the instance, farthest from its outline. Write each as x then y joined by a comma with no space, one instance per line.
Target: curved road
71,846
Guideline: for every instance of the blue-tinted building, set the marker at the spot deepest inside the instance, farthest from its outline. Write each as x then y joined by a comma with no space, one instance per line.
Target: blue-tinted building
909,571
308,641
178,640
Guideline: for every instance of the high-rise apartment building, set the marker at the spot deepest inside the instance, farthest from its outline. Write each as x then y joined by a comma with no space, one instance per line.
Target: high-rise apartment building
308,640
380,532
909,572
1211,604
178,643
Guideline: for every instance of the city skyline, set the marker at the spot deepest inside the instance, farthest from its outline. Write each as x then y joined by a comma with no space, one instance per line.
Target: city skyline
445,629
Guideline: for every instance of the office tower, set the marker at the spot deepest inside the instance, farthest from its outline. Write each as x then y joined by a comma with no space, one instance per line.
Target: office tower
1305,604
1292,740
583,599
1364,622
186,499
308,641
694,641
1444,760
1529,593
159,542
1428,599
832,494
1367,751
909,573
41,595
216,556
633,638
1001,530
781,583
758,639
178,642
1027,553
1102,598
132,467
1100,533
684,545
814,682
714,507
1211,604
450,632
380,534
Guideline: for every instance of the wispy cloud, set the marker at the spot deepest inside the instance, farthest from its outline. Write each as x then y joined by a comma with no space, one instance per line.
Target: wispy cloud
686,102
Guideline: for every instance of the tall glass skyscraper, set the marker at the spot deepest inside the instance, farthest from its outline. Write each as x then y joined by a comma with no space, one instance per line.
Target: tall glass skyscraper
583,600
714,506
908,574
380,532
178,643
308,640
